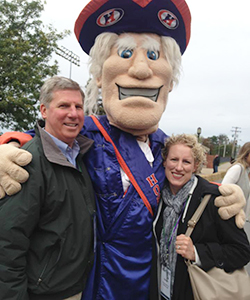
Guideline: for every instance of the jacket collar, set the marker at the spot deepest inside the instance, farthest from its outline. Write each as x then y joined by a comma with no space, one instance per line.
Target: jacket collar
52,152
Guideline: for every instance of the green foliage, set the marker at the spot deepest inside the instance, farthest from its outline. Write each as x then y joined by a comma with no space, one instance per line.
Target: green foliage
26,48
218,144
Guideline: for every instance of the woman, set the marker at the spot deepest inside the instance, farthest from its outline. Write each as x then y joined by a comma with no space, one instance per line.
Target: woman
238,173
214,242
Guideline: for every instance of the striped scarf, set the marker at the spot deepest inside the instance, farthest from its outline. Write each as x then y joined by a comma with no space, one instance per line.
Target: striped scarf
175,205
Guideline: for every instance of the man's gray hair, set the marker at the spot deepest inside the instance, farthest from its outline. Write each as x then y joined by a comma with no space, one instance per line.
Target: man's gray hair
101,51
57,83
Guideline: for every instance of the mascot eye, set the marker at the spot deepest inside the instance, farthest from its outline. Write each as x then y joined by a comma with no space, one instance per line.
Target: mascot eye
153,55
125,53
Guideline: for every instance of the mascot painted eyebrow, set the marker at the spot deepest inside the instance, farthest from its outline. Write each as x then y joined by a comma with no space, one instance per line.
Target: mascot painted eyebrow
135,48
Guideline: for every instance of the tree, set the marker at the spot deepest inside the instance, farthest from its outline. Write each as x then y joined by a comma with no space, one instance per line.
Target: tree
26,48
223,140
207,143
218,145
213,140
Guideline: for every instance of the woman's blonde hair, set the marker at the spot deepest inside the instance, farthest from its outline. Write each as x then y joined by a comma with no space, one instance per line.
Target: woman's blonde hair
243,154
188,140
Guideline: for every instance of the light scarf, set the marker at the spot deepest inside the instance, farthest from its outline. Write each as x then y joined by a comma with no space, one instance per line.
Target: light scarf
175,205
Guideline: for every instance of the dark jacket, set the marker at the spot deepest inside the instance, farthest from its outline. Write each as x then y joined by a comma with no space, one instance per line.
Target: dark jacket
46,230
219,243
216,161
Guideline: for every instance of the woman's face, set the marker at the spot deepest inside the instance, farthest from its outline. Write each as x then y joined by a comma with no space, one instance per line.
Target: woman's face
179,166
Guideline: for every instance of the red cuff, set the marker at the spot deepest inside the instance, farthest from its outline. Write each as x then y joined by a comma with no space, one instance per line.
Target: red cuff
217,183
21,137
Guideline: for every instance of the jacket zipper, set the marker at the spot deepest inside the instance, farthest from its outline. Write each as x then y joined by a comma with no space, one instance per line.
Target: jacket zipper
40,279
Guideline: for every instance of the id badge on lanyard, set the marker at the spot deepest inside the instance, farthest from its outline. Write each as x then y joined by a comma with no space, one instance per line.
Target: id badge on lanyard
165,282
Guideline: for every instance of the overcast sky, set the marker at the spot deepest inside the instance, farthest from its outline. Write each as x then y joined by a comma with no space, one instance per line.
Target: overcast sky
214,89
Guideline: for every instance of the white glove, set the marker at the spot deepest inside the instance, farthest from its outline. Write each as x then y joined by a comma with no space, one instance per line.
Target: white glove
11,174
231,203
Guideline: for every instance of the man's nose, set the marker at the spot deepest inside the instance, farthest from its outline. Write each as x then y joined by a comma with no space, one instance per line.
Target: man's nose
140,68
72,112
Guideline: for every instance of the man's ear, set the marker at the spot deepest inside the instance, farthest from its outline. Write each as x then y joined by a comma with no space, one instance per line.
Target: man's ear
43,111
99,82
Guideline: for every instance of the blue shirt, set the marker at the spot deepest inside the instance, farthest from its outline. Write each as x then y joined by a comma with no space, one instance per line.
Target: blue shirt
69,153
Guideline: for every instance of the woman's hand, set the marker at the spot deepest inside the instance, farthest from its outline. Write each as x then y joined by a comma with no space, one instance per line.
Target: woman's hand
185,247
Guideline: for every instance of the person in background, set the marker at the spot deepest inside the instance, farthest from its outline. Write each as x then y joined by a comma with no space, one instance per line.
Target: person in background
216,163
47,230
239,172
214,242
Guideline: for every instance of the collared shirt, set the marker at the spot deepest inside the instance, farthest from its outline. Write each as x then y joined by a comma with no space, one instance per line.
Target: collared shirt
69,153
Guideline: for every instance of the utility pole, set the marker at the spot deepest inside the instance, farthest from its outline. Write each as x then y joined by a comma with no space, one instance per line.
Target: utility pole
70,56
235,131
225,147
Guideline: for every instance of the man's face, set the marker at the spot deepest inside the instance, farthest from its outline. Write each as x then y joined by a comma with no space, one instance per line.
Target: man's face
135,83
64,116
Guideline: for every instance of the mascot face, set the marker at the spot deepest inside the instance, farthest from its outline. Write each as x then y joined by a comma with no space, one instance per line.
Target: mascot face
135,83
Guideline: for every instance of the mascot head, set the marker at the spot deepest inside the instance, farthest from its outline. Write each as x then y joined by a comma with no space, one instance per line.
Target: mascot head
135,48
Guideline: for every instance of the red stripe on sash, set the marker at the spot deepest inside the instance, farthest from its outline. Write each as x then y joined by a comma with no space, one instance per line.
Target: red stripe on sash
123,164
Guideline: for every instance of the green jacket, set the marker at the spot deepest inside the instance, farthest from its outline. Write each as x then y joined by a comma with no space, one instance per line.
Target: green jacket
47,229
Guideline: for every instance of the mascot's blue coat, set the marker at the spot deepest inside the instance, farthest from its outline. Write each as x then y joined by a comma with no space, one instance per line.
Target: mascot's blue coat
124,223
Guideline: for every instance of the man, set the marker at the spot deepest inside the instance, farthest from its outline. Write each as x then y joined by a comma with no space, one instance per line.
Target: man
135,72
216,163
46,230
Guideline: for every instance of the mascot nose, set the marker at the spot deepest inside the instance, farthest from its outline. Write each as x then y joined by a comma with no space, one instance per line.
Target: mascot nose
140,68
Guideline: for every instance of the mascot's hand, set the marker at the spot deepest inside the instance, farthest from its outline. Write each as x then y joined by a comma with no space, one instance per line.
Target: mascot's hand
11,174
231,203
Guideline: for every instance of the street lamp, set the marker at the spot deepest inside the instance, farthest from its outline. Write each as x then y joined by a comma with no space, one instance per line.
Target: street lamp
198,133
70,56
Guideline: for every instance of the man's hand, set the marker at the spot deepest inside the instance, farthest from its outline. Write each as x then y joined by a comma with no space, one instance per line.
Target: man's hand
11,174
231,203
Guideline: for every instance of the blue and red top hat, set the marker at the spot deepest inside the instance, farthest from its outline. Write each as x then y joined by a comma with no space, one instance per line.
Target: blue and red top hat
163,17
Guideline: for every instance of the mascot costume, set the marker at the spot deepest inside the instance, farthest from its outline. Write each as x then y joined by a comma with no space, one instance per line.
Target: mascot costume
135,48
